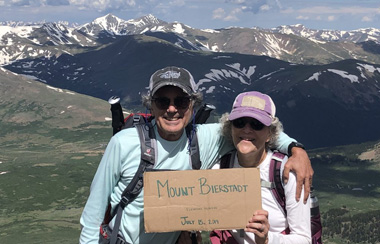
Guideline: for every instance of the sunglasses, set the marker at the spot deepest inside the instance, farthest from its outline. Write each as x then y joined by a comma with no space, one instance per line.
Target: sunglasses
241,122
179,102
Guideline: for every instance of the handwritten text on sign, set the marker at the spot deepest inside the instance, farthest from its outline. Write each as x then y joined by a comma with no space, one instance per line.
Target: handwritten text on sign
200,199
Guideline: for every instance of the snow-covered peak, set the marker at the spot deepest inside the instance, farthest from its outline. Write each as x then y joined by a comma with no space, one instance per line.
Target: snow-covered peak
105,20
108,23
116,26
151,19
21,31
360,35
144,21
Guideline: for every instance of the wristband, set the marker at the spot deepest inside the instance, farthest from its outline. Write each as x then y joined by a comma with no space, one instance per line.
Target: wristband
294,144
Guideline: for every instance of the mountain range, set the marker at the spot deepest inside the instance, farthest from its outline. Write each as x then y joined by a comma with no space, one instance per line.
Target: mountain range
324,83
294,43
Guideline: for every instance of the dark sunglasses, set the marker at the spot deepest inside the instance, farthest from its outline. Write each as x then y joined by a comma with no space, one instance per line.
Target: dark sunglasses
179,102
241,122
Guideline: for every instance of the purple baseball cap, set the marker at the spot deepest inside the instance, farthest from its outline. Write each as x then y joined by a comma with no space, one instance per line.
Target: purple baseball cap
255,105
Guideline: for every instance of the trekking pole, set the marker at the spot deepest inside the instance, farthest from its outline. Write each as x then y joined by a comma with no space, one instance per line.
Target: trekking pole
194,237
203,113
117,114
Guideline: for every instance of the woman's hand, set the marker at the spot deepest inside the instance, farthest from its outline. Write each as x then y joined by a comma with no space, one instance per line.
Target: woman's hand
259,225
300,164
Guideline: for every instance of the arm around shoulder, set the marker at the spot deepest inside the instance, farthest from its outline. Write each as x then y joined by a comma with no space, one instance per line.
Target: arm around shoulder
300,164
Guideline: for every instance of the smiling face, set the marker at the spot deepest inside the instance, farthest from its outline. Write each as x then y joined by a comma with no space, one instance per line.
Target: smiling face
249,142
172,120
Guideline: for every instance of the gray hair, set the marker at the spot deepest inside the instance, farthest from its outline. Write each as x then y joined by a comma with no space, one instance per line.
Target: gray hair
274,129
196,97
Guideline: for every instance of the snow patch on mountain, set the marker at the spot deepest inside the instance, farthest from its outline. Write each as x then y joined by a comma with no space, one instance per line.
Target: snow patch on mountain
158,29
21,31
369,68
203,46
315,76
57,31
215,48
346,75
177,28
243,71
268,75
365,69
220,56
210,90
235,71
55,89
210,31
31,77
317,41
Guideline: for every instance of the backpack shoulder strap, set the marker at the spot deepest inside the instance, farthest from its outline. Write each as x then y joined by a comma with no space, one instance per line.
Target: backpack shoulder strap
147,160
191,133
275,177
227,160
200,117
135,186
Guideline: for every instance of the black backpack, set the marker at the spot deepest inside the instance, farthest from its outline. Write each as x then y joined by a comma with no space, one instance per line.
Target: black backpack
141,121
278,192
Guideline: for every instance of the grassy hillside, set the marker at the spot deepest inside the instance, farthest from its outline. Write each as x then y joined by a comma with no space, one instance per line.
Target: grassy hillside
51,142
348,187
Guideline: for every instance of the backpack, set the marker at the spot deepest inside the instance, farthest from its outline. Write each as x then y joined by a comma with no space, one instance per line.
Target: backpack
141,121
277,190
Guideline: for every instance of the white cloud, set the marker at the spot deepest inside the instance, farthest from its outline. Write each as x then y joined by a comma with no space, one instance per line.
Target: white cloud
333,13
233,15
104,4
96,4
256,6
331,18
301,17
218,13
56,2
366,19
19,2
177,3
237,1
339,10
265,7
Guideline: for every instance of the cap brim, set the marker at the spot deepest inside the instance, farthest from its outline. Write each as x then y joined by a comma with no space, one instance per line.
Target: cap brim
260,115
167,83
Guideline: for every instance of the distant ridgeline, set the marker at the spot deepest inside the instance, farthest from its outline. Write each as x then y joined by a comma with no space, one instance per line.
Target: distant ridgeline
326,93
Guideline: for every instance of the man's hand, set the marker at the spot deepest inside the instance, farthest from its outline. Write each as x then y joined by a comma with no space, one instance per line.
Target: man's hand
300,164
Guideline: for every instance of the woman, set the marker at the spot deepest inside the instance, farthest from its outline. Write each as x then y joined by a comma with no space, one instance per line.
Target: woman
253,129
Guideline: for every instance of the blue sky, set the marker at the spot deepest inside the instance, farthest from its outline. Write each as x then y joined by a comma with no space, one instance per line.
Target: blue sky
320,14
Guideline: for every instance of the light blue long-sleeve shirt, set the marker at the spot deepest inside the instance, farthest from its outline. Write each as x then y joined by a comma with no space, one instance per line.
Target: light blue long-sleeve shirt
118,166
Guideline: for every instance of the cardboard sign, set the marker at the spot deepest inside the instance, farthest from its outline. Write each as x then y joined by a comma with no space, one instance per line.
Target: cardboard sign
200,199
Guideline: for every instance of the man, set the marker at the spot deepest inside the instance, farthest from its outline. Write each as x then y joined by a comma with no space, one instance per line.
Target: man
171,99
